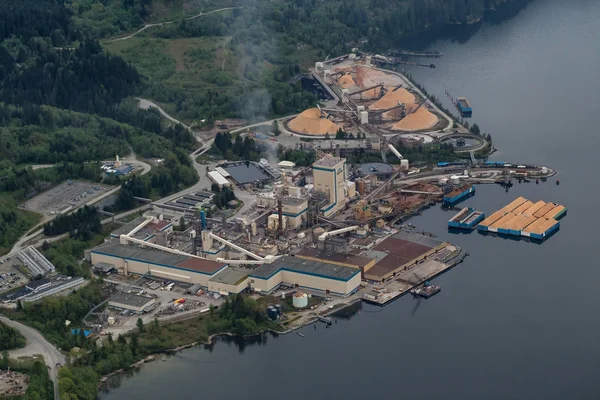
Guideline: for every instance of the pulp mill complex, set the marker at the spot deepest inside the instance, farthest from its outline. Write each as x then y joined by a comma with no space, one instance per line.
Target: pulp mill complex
331,228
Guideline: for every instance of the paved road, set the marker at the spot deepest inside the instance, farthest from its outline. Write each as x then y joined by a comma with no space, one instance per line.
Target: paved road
169,22
36,344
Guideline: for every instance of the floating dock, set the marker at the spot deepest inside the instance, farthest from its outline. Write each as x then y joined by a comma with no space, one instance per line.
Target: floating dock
467,218
459,194
522,217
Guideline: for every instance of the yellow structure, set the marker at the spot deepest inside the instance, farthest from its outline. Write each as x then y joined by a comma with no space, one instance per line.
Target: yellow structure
294,209
330,178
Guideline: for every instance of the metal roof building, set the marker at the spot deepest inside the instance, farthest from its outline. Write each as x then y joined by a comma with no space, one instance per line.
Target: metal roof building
161,264
229,281
131,302
218,178
308,274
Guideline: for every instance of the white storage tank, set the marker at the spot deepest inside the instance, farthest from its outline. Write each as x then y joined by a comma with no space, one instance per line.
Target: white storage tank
300,300
455,179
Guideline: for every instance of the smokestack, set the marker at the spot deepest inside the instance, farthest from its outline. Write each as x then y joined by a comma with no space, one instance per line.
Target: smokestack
280,214
203,219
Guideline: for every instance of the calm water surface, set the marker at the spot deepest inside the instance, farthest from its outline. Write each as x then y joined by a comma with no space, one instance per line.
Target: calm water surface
516,320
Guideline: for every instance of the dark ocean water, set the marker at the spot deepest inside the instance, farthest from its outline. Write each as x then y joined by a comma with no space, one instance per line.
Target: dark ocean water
516,320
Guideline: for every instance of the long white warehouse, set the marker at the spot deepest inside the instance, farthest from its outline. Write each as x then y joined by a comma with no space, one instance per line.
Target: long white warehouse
218,179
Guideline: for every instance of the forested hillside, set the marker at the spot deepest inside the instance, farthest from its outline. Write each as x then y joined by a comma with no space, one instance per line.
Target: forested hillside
64,100
200,67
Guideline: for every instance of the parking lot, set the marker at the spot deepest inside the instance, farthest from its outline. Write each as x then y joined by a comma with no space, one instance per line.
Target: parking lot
10,277
64,197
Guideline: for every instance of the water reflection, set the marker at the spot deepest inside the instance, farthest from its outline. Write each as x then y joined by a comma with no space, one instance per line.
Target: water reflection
460,33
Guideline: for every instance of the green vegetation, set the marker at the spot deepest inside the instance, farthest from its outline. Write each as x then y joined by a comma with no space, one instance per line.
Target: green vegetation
222,196
237,149
49,315
10,338
40,386
302,158
81,224
13,222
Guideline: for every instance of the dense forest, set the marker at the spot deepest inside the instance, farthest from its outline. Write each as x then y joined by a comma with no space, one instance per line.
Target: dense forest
66,101
83,223
10,338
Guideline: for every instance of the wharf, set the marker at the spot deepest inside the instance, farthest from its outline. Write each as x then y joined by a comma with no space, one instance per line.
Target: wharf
404,281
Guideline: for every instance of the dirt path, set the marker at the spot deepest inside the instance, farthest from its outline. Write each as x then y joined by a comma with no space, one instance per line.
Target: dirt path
168,23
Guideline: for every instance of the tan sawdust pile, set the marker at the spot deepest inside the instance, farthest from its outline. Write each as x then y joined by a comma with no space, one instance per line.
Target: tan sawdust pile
421,119
346,81
391,99
309,122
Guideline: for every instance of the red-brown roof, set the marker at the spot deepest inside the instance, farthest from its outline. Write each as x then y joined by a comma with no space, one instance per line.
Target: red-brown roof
200,265
402,248
351,259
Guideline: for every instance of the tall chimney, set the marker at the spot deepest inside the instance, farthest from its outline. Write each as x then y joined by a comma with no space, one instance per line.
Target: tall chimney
280,214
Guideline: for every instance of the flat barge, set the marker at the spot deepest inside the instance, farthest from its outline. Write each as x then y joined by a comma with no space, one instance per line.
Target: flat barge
467,218
524,218
464,107
458,194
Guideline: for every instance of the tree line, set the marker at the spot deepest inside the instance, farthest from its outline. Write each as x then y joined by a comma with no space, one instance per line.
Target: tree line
10,338
81,224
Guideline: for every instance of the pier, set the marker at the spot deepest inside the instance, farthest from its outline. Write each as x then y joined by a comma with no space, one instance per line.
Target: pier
413,277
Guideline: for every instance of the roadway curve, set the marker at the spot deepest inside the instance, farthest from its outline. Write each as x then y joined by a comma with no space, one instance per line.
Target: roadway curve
169,22
36,344
146,104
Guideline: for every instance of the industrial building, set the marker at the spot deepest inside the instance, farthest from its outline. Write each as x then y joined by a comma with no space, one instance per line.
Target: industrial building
293,210
131,302
37,290
35,262
347,260
402,251
231,280
132,259
308,274
218,179
330,178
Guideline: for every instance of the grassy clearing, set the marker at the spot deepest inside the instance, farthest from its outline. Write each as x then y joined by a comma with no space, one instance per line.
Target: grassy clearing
189,63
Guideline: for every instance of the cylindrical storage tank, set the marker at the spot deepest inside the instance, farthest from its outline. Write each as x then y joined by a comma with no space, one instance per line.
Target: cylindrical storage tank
309,187
253,227
300,300
455,179
367,186
373,180
360,186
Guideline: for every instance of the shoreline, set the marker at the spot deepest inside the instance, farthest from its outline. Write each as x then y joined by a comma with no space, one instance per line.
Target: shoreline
104,380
